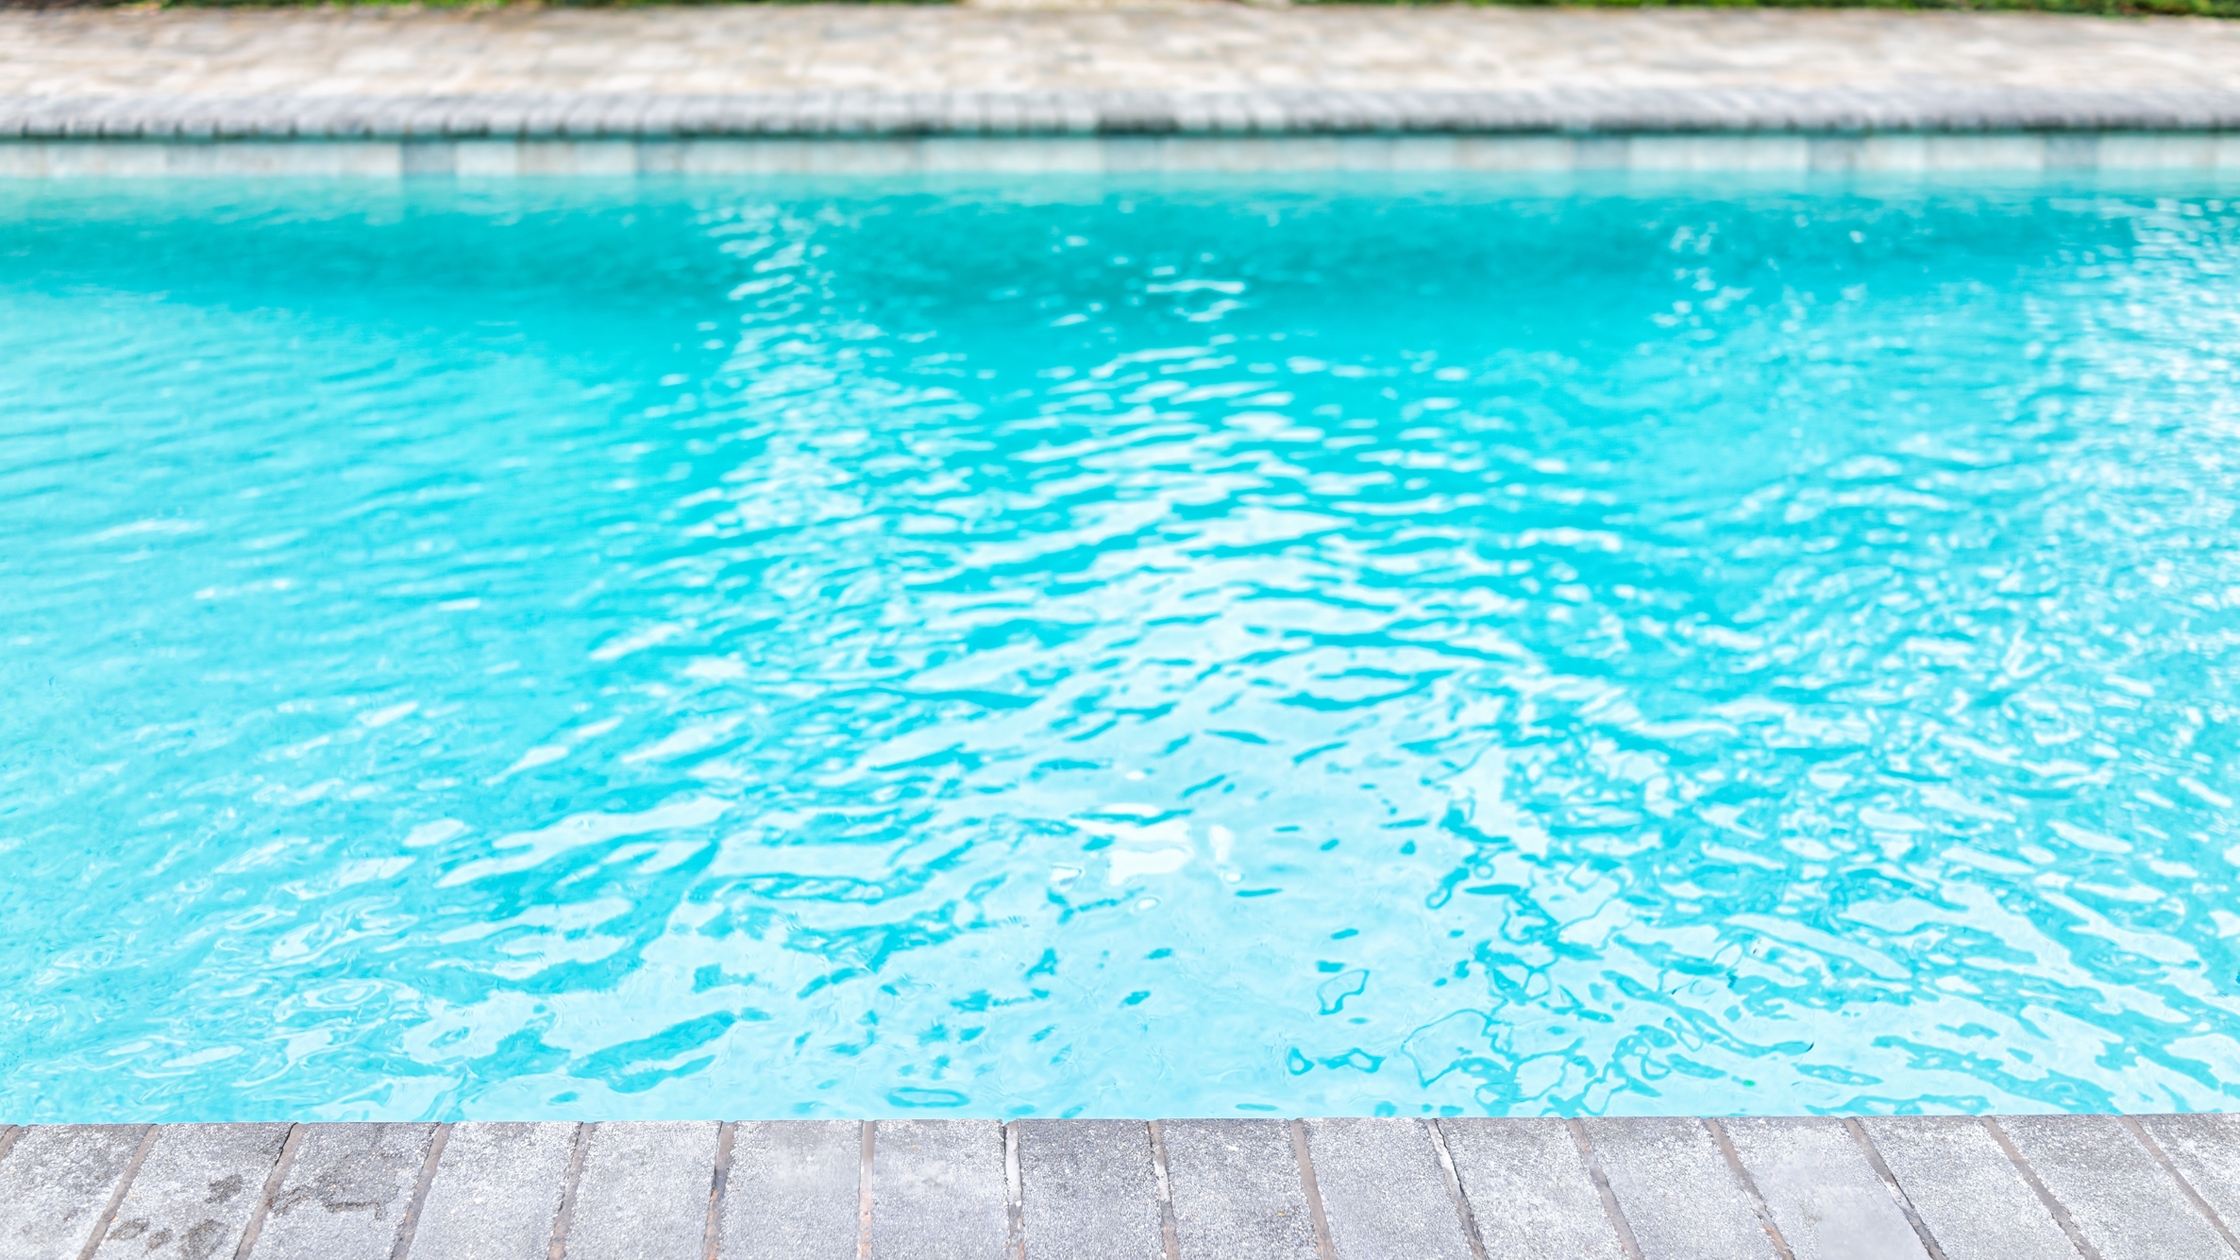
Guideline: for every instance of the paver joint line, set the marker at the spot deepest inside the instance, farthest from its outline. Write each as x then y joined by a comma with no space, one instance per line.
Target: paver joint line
1315,1215
1169,1239
1749,1187
863,1193
558,1248
711,1235
1921,1229
272,1183
116,1197
2162,1157
1455,1191
411,1224
2037,1186
1014,1194
1601,1180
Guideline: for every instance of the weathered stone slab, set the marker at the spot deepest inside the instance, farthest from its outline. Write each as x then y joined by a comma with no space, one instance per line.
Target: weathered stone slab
1236,1191
1383,1192
56,1182
194,1193
789,69
2205,1148
644,1191
1824,1193
496,1192
2122,1200
1676,1191
1529,1190
345,1196
937,1190
1966,1191
795,1190
1089,1190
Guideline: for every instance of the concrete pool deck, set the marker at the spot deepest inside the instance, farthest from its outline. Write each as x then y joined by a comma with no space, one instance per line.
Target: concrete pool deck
1942,1188
629,90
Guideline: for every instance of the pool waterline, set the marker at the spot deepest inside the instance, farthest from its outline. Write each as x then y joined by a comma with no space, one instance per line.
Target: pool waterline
1893,153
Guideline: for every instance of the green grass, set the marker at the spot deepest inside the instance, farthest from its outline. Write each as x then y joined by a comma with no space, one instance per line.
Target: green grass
2098,8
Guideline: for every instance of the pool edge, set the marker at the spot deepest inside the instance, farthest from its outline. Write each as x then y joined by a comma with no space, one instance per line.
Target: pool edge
1897,153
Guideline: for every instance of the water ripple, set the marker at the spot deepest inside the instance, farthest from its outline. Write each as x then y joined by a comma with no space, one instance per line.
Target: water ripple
1070,648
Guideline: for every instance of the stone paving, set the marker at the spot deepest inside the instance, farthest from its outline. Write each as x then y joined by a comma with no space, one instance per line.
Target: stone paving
821,70
1872,1188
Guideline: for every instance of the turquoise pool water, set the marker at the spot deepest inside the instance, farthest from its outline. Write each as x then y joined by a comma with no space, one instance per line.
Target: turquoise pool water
1055,647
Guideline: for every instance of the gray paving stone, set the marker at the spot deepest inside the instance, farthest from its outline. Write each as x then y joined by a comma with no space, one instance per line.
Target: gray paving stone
345,1196
1089,1190
2206,1150
496,1192
1383,1192
938,1190
1529,1190
56,1182
194,1193
794,1190
1824,1193
1963,1187
2121,1199
776,69
1677,1192
1236,1192
644,1191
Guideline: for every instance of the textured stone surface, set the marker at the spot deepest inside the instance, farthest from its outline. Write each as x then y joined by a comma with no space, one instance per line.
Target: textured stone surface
1961,1184
346,1193
1677,1192
1236,1191
1529,1189
358,53
644,1191
194,1193
938,1190
1383,1192
56,1182
1825,1195
496,1192
761,69
1089,1190
794,1190
2121,1199
2205,1149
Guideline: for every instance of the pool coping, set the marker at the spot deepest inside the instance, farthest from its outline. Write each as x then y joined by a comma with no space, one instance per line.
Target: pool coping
1905,1188
1698,129
1266,112
1780,153
1118,84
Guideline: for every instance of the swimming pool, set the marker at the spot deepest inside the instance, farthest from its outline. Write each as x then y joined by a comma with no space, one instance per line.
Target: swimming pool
1060,646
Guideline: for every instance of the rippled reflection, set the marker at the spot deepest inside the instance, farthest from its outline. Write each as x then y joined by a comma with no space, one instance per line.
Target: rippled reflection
1069,648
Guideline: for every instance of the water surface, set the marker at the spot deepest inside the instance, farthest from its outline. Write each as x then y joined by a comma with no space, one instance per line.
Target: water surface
1059,647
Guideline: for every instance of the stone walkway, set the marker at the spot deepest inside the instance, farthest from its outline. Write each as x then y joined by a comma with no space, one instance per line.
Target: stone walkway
812,69
1946,1188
